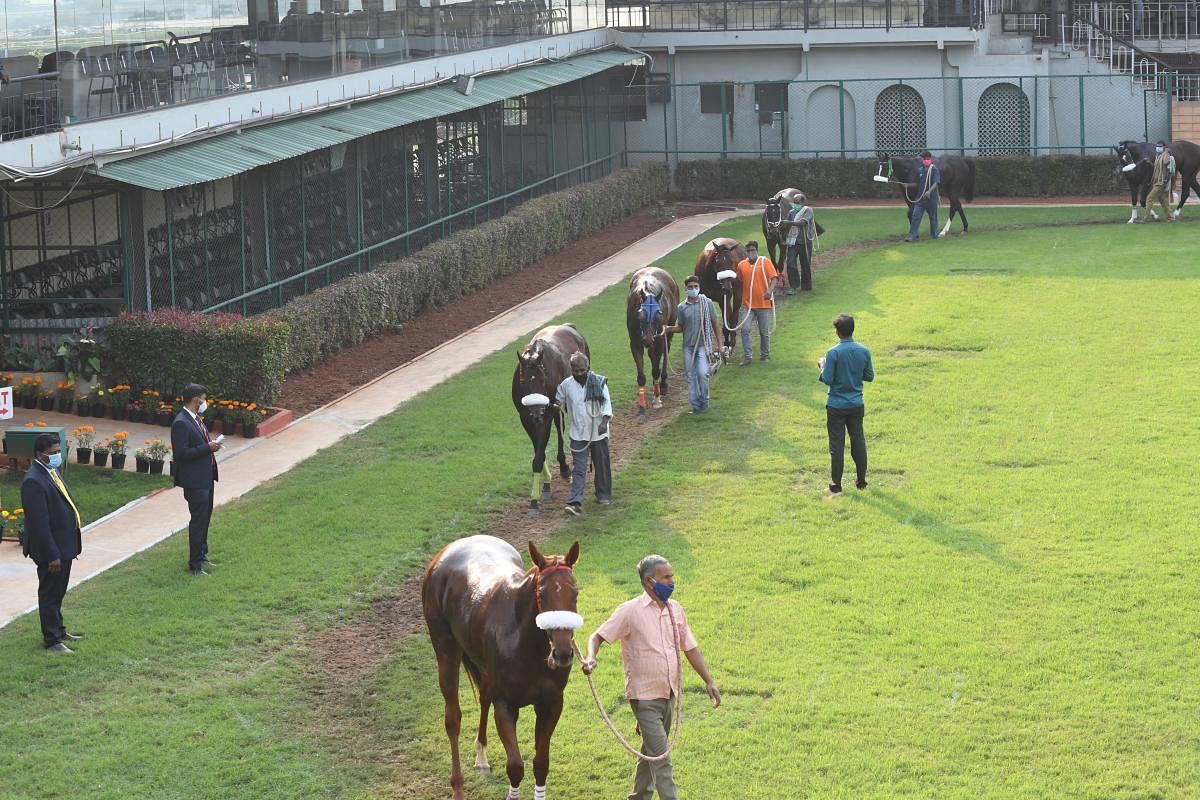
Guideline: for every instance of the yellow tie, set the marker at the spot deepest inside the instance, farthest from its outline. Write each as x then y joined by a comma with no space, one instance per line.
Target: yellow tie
58,482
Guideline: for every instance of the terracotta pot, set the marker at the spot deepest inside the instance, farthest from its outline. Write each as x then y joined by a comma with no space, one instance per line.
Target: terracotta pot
142,464
118,461
100,458
156,467
83,455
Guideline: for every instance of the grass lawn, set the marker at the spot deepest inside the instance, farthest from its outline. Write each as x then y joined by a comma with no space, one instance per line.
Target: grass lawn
97,490
1007,612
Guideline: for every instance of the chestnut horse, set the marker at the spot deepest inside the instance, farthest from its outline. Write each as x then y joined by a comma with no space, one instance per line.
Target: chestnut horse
541,367
652,304
512,630
722,255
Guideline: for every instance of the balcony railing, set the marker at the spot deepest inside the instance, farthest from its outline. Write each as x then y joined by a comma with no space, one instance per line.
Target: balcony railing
29,105
1144,20
768,15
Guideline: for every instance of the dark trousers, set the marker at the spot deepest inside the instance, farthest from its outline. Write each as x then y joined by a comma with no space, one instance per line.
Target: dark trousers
800,278
839,421
200,506
52,587
601,465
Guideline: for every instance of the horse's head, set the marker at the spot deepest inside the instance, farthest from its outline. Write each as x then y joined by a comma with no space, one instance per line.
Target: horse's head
773,213
1130,154
531,372
650,318
555,594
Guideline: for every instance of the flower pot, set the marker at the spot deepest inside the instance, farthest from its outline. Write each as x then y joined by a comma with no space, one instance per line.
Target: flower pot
250,430
46,403
214,427
83,455
134,415
118,413
29,401
99,410
100,458
142,464
118,461
237,429
156,466
164,418
63,405
83,408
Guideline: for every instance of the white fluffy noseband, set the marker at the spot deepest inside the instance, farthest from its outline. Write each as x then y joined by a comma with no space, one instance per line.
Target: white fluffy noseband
879,178
726,274
535,400
1129,168
559,621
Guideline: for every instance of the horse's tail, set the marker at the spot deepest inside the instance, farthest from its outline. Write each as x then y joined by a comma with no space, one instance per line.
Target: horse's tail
474,674
969,191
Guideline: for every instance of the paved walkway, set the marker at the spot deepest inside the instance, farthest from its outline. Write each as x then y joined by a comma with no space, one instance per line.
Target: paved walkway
148,521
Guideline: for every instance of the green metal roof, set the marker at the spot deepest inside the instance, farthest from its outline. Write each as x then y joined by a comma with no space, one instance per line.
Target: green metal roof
234,153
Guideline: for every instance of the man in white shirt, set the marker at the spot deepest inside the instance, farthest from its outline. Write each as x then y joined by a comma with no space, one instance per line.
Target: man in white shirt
584,396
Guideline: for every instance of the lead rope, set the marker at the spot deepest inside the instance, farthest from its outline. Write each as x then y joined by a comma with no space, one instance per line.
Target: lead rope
678,702
742,319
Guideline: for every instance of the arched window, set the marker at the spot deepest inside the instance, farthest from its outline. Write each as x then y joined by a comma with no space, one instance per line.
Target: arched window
829,110
1003,120
899,121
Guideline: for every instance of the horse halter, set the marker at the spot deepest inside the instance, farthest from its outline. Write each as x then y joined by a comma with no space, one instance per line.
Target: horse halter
554,620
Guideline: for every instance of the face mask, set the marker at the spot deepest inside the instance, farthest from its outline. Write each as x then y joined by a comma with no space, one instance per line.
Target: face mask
1158,149
203,407
55,460
580,379
693,292
797,206
663,591
926,161
752,257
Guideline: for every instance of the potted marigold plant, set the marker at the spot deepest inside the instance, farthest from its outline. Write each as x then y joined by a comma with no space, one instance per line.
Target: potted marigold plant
12,524
99,398
116,447
141,459
156,451
46,399
83,437
64,395
253,416
118,400
100,452
166,414
29,390
214,417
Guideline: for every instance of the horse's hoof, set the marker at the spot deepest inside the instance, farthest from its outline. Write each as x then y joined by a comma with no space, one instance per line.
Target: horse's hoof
641,417
534,510
657,402
484,770
545,491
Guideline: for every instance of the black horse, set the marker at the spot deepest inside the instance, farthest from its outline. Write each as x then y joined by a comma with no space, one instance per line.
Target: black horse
775,212
958,182
541,367
1135,160
651,306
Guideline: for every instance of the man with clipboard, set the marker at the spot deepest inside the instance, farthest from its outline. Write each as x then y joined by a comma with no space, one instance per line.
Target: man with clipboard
194,467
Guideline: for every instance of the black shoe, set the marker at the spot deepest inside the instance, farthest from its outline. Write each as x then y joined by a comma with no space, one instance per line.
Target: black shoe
835,488
210,563
860,485
604,501
764,358
59,647
573,509
71,637
746,361
200,571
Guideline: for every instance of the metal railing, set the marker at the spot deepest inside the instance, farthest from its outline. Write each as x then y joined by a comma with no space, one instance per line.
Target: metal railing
1144,20
29,106
754,15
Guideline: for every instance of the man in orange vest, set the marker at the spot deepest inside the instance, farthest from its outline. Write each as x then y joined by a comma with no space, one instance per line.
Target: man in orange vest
758,278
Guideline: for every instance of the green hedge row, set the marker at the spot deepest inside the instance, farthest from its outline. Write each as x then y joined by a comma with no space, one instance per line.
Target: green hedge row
350,310
830,178
233,357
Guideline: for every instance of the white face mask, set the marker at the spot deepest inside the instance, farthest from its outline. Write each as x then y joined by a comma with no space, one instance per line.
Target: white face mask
203,407
693,292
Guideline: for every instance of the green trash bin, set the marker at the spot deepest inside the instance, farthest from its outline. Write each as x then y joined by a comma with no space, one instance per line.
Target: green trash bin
18,441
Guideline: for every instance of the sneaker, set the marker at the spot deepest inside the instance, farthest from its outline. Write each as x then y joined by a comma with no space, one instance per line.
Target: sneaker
607,501
746,361
574,509
199,572
860,485
72,637
910,240
764,358
59,647
790,292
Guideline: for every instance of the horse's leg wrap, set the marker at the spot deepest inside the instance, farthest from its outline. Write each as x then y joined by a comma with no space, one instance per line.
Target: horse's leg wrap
658,394
642,396
539,792
481,762
1132,215
946,227
514,793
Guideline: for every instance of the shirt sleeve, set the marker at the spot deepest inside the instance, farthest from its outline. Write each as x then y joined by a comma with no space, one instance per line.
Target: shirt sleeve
712,310
827,370
560,394
616,627
868,368
606,407
687,641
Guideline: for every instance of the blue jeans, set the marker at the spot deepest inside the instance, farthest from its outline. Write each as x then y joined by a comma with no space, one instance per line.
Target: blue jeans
763,316
923,207
695,361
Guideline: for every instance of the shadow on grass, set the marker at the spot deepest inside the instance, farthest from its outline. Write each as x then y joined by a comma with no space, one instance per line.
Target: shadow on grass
962,540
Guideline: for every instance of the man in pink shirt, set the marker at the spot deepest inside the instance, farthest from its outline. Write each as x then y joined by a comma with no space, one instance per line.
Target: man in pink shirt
650,651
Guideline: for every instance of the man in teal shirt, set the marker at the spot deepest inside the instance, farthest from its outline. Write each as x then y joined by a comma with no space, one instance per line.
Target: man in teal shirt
843,369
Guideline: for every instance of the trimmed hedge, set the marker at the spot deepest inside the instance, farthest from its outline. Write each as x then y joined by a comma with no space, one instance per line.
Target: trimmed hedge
829,178
350,310
232,356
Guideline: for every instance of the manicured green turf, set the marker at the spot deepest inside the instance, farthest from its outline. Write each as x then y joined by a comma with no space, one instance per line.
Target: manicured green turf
97,490
1005,613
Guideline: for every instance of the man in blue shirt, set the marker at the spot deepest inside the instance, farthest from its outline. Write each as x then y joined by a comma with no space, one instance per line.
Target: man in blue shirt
843,369
928,178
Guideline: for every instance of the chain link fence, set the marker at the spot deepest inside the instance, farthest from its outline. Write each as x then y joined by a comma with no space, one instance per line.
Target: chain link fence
1082,114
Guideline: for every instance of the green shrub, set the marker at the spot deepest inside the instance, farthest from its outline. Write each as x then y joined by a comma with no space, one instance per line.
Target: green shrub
350,310
230,355
837,178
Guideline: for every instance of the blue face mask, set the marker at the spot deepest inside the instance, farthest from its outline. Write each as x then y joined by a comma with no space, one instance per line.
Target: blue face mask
1158,149
663,591
693,293
55,460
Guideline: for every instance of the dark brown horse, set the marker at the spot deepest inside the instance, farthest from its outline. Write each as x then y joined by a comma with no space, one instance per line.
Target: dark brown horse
652,305
1136,163
541,367
776,211
722,255
512,630
958,182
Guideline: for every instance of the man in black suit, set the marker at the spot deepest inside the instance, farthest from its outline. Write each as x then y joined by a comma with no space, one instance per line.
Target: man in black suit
194,466
52,537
